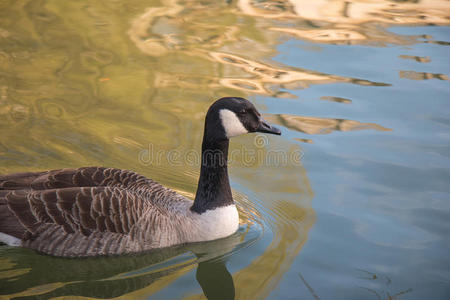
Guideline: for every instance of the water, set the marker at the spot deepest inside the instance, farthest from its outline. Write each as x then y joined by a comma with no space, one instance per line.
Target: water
355,205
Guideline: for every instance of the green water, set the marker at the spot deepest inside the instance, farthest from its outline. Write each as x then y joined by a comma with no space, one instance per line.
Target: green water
351,202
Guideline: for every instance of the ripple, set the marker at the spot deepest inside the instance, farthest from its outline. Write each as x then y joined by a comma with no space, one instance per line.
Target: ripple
18,113
283,207
265,76
169,29
50,109
100,58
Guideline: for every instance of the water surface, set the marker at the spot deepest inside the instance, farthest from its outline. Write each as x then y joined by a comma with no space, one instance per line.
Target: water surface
351,202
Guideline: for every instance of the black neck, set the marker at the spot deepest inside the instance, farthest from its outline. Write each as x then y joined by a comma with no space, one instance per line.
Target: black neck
213,185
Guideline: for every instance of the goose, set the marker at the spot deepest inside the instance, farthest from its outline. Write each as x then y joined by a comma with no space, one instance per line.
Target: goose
94,211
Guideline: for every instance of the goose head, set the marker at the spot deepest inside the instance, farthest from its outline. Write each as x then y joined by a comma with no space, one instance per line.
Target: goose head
233,116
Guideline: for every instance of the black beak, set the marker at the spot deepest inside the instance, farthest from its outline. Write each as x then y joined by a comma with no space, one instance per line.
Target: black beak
267,128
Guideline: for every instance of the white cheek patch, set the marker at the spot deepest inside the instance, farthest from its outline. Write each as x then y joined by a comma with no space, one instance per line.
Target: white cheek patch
233,126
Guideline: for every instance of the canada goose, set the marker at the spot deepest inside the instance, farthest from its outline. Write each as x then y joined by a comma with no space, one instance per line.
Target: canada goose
104,211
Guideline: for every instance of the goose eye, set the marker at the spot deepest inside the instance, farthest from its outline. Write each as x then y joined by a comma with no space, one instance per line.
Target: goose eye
242,112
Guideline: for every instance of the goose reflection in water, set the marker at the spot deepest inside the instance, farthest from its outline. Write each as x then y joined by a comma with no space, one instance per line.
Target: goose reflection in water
138,276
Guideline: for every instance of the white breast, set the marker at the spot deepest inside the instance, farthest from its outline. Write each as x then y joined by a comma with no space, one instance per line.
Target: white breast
217,223
231,123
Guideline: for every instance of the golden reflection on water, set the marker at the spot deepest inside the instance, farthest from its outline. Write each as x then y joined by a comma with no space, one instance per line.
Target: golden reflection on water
290,219
186,30
416,58
336,99
314,125
413,75
38,290
96,83
347,22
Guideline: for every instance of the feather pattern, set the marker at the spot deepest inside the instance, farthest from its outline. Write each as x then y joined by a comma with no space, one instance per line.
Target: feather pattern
97,211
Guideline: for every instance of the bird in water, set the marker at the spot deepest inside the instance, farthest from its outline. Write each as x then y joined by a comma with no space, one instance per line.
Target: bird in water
93,211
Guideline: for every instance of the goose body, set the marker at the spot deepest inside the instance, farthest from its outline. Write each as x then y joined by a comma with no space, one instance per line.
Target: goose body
94,211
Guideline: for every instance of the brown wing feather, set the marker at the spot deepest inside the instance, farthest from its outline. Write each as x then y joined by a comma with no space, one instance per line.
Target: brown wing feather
76,199
84,209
